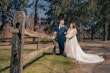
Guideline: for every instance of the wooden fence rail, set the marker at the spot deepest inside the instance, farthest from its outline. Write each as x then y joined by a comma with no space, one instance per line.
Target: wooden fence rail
28,57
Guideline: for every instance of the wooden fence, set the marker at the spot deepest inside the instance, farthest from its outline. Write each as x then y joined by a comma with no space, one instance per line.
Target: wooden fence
18,59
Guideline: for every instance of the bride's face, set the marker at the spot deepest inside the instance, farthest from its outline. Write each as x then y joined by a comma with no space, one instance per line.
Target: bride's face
71,25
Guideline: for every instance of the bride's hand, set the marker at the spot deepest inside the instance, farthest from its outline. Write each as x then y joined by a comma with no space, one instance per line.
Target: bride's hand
71,37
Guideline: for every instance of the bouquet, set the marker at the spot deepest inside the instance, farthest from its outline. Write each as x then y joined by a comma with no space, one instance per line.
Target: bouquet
68,35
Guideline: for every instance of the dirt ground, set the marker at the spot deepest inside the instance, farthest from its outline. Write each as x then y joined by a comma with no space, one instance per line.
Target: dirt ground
99,48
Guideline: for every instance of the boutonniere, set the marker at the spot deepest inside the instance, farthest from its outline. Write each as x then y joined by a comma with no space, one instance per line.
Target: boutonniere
62,26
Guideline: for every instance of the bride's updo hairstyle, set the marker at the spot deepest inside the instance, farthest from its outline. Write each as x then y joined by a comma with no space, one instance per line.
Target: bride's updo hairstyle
73,25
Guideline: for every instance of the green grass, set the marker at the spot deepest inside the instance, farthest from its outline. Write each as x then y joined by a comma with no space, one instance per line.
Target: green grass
4,60
46,63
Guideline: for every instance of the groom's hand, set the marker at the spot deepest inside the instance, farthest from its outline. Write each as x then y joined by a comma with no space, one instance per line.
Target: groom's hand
53,37
65,32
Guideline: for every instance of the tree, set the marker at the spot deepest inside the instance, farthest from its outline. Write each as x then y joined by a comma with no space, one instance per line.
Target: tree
37,6
92,15
5,9
36,13
104,14
8,7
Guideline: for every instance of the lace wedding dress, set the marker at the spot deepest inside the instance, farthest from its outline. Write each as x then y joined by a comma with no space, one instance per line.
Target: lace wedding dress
73,50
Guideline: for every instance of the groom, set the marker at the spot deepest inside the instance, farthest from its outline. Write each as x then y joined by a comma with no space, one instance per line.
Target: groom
59,34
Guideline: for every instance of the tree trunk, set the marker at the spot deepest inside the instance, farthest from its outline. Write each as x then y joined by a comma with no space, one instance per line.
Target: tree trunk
68,20
105,35
92,33
108,32
35,18
36,13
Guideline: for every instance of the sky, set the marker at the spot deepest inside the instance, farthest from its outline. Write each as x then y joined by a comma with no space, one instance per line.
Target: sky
41,12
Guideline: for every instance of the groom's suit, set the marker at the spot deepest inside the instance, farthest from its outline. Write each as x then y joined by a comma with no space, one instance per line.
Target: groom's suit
61,37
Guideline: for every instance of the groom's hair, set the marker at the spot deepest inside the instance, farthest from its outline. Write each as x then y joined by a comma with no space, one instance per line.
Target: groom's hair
61,19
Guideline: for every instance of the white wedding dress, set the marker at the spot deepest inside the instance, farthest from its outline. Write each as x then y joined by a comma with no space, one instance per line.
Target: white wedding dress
73,50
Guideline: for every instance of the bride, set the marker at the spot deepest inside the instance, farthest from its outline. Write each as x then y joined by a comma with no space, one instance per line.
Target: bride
73,49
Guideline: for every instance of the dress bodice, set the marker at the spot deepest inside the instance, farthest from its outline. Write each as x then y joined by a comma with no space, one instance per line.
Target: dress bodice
69,33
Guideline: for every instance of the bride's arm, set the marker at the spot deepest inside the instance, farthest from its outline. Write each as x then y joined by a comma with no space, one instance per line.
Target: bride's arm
74,33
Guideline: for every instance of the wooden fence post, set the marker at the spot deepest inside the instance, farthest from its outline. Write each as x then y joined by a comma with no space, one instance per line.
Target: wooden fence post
17,42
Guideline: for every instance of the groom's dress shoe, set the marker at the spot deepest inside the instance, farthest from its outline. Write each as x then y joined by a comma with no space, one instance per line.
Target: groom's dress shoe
64,55
54,50
58,54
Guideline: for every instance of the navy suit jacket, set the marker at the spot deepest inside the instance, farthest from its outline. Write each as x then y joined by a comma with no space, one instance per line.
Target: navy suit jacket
61,33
